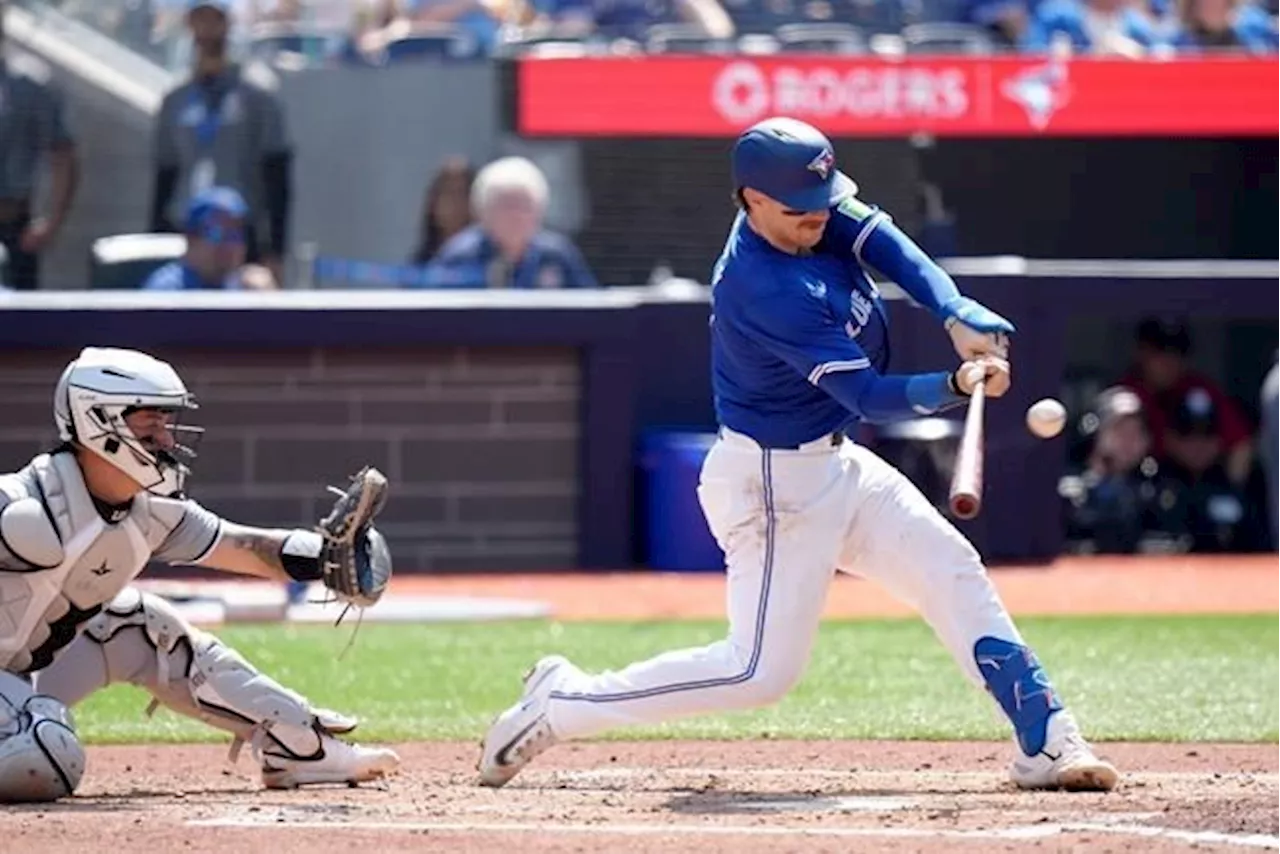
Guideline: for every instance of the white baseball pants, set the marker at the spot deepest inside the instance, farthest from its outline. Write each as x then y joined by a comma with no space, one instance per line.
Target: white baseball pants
787,520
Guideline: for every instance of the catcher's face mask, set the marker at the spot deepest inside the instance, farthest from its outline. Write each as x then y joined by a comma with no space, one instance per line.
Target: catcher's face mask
170,444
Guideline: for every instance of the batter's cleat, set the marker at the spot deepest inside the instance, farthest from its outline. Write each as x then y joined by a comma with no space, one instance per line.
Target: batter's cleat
1066,762
522,731
337,762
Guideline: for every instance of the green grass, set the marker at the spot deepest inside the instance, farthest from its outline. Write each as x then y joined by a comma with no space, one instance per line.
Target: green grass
1165,679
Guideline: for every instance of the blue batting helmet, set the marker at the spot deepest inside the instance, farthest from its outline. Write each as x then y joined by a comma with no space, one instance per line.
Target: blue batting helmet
792,162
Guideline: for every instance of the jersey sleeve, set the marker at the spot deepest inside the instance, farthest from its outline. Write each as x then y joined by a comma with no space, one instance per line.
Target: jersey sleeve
850,226
868,236
193,530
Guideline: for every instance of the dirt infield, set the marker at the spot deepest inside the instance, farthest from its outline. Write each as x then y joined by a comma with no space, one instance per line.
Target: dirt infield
625,797
768,796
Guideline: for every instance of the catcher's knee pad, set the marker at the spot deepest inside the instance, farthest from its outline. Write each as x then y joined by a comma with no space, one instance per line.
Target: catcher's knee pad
197,675
40,757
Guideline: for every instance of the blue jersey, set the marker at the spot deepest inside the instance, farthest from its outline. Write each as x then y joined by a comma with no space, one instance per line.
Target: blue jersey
799,343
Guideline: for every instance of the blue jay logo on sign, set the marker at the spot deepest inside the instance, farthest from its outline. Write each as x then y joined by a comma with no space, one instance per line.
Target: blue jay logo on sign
1041,91
823,163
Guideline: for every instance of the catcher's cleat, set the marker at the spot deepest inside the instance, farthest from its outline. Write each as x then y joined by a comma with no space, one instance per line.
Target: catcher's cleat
522,731
335,723
336,762
1066,762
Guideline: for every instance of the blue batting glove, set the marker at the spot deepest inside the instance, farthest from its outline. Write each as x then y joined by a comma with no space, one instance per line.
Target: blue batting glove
975,315
976,330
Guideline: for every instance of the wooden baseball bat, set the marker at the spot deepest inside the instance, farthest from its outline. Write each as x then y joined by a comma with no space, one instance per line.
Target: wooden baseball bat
966,481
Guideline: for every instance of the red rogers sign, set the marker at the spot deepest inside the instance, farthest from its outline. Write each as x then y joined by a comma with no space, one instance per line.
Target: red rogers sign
1014,96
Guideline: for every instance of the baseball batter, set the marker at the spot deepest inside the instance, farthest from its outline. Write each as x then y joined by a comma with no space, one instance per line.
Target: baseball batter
799,346
77,525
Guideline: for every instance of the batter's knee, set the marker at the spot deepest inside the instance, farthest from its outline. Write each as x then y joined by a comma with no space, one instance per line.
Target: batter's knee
769,681
41,759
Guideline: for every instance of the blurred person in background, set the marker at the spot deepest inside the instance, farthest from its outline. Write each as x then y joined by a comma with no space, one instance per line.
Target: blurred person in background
1094,27
508,247
215,256
1162,378
1269,447
1212,513
1006,21
446,209
1224,25
324,14
225,128
615,19
382,21
33,129
1110,502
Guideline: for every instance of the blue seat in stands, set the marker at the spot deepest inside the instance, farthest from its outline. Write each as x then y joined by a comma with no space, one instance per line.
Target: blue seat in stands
267,41
812,37
941,37
444,43
683,38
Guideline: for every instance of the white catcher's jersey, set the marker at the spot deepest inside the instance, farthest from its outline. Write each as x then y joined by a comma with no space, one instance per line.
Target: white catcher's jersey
42,609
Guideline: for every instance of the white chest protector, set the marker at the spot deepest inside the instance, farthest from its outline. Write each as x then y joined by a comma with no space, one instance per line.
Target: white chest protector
50,586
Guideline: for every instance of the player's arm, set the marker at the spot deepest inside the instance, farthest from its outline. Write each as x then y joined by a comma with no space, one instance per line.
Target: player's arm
800,331
256,551
199,536
869,235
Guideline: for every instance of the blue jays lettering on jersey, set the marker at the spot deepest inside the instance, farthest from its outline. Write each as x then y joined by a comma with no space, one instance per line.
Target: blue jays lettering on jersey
469,260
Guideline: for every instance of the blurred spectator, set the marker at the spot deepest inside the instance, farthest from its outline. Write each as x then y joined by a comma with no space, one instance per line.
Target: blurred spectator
614,19
1162,378
215,256
382,21
446,210
1235,25
507,247
1005,20
476,16
377,22
324,14
1096,27
1269,447
1214,513
32,127
224,127
1110,503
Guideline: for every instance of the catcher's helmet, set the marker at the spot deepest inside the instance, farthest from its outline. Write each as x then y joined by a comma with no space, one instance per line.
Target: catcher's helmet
99,388
792,162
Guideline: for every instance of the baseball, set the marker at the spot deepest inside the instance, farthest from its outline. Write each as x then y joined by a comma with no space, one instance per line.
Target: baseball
1046,418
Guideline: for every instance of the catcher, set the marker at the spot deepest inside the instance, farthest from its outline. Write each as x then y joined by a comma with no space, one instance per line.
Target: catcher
78,524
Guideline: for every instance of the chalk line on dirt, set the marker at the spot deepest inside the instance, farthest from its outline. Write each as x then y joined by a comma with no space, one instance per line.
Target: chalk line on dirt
1028,832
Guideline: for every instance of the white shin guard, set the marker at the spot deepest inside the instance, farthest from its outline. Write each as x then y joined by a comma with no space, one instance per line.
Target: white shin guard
41,759
195,674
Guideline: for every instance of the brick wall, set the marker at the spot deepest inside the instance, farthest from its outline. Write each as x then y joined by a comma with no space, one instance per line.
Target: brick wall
480,445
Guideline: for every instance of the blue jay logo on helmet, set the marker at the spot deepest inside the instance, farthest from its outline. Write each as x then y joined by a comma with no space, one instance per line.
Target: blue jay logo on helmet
823,163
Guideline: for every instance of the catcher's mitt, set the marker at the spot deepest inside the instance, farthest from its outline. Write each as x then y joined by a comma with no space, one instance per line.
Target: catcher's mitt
354,556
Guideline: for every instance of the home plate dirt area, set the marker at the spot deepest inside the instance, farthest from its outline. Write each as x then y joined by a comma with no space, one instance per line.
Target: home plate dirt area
668,796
